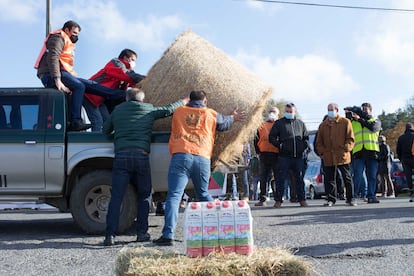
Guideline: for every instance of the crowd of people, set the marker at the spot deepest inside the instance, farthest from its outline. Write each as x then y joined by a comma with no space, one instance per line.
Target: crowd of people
350,147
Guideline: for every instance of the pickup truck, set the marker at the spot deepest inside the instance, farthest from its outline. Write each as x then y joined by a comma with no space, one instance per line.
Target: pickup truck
40,161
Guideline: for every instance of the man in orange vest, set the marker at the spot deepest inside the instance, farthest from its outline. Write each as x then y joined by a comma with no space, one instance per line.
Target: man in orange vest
267,152
191,145
55,68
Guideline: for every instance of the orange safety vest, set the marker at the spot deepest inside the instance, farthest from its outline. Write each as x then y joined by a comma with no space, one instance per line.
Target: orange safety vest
193,130
67,56
263,143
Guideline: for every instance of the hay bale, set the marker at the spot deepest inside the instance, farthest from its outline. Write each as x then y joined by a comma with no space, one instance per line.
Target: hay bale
266,261
192,63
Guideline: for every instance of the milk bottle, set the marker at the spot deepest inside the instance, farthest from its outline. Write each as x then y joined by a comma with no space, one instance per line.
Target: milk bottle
243,228
193,230
210,227
226,227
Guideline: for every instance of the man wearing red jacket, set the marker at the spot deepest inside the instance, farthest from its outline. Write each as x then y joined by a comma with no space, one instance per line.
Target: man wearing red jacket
118,73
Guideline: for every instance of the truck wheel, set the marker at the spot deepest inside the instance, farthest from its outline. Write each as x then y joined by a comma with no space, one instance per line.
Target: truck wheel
90,199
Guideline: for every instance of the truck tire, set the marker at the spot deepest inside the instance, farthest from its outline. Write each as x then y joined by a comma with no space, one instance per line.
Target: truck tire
90,199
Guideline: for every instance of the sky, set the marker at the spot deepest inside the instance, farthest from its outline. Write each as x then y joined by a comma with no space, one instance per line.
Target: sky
310,55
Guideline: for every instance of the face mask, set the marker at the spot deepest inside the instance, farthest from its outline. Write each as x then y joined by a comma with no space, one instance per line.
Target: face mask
272,116
331,114
289,115
132,64
74,38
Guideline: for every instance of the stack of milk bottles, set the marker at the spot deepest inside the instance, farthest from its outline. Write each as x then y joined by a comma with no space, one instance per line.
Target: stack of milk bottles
225,226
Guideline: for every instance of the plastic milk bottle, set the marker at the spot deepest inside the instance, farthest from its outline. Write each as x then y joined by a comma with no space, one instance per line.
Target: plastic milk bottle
244,228
226,227
210,227
193,230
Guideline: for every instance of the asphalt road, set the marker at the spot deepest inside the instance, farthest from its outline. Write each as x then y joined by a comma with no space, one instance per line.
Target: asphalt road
368,239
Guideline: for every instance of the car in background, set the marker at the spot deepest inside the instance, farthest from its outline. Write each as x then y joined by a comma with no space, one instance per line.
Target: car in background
314,187
398,177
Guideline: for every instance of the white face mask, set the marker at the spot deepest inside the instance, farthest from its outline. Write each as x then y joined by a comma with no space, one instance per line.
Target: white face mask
132,64
272,116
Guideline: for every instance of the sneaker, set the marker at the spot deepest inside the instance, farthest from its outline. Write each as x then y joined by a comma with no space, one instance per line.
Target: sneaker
109,241
163,241
365,199
260,203
246,198
143,237
278,204
329,204
303,204
373,200
351,203
391,196
412,199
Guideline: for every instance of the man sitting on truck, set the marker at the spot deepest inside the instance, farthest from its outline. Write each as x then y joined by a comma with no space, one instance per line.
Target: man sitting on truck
55,69
118,73
132,123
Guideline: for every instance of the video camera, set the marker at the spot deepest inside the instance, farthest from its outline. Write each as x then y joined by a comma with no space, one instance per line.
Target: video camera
351,110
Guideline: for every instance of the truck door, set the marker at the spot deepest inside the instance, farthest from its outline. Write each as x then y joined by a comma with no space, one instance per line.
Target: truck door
22,149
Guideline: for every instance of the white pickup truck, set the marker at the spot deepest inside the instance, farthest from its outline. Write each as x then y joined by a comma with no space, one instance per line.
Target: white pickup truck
40,161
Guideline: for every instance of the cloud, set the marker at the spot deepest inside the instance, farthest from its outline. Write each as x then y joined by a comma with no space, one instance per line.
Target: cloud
20,11
311,77
388,39
108,23
268,8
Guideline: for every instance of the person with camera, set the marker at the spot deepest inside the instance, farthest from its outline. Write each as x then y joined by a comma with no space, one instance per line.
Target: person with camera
366,150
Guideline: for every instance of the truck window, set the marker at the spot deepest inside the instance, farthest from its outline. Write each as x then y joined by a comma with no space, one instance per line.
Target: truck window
16,113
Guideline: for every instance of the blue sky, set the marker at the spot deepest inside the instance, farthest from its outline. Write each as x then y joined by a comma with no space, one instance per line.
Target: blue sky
309,55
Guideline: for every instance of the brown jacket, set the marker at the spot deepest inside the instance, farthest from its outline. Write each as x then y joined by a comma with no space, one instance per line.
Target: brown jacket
335,140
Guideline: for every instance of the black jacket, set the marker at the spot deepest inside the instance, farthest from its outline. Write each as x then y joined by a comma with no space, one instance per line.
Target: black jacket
290,136
404,144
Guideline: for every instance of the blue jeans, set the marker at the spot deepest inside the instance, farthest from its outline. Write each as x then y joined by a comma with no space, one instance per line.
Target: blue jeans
78,86
296,165
246,192
184,166
97,115
255,183
371,169
130,166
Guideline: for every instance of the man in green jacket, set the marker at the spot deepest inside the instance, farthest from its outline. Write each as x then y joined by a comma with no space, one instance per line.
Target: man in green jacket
132,123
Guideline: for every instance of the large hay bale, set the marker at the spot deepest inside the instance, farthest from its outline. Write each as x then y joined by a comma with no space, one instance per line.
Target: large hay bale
264,261
192,63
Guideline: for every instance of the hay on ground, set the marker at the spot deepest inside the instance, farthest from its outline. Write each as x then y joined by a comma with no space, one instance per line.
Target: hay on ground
266,261
192,63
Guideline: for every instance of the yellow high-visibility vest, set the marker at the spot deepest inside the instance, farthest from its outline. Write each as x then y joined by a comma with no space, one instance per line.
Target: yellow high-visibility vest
364,138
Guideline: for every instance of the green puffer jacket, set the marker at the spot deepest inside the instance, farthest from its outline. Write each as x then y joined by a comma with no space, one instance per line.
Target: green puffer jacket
132,123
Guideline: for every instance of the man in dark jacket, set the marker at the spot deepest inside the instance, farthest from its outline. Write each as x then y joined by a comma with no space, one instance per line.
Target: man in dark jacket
404,153
290,136
132,123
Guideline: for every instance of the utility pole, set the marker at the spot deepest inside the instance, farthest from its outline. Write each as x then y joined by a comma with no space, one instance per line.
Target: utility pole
48,16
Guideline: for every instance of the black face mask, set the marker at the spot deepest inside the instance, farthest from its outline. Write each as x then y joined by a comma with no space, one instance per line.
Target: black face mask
74,38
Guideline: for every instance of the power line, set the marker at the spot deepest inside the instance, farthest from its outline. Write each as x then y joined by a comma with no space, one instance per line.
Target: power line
334,6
